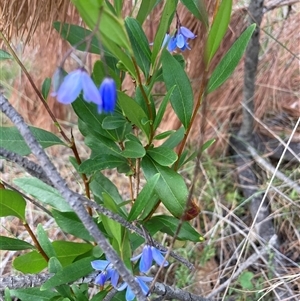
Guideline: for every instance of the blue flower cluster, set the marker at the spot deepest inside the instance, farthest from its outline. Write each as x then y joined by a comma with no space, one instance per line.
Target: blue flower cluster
180,39
109,273
79,80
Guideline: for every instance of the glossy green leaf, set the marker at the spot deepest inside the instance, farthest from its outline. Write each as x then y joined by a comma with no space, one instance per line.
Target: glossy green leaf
182,99
46,87
13,244
44,241
171,187
113,229
134,113
198,9
70,223
34,294
162,108
174,139
70,273
101,184
145,9
218,30
101,162
113,122
162,155
54,266
163,27
133,150
144,198
12,204
230,60
140,44
169,224
43,192
163,135
66,253
5,55
11,139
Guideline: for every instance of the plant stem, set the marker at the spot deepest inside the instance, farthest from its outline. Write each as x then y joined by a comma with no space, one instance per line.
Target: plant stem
37,244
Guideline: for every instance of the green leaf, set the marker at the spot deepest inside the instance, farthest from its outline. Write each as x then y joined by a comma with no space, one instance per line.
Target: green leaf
69,274
143,198
46,87
11,139
245,280
5,55
34,294
145,9
101,184
113,122
162,108
44,241
162,155
12,203
134,113
169,224
12,244
55,266
118,6
218,30
198,9
164,135
100,162
70,223
140,44
174,139
37,263
66,253
182,99
133,150
164,24
43,192
113,229
171,187
207,144
230,60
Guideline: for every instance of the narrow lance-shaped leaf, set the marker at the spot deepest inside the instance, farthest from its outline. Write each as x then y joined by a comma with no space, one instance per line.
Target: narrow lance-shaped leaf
230,60
13,244
165,21
143,198
145,9
12,140
182,99
218,30
140,44
198,9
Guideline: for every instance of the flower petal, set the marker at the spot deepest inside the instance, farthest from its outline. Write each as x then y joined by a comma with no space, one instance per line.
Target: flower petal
114,277
143,286
172,44
180,41
157,256
122,287
100,265
129,294
146,259
70,87
166,40
187,33
101,278
90,91
108,94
